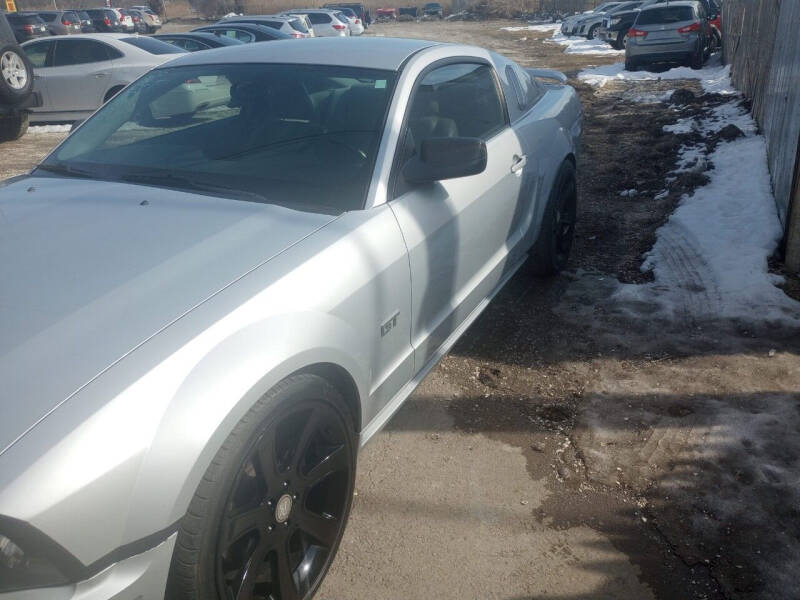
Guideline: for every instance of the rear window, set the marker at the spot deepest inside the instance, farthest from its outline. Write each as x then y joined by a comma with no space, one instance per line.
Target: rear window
49,17
153,46
24,19
319,18
298,25
666,14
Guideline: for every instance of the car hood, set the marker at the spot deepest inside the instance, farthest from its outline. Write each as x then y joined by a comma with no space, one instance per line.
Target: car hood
92,269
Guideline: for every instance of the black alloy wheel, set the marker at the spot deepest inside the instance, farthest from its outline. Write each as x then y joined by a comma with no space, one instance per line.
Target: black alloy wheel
287,507
267,519
551,250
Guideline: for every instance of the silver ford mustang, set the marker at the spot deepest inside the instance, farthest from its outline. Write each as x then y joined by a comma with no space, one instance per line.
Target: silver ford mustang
229,278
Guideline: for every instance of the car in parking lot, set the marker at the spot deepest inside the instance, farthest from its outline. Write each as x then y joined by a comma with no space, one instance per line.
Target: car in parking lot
61,22
194,41
246,33
433,9
26,26
571,24
77,74
326,22
86,22
105,20
291,25
361,11
17,95
353,21
231,296
590,24
677,31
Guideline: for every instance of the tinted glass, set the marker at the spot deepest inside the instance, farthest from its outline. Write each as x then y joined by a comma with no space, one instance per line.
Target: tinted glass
152,46
319,18
303,136
24,19
37,53
48,17
84,15
187,44
666,14
236,34
71,17
457,100
78,52
298,25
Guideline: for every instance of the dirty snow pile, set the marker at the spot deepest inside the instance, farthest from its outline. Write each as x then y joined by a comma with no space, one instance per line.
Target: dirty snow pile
710,258
714,77
544,28
580,45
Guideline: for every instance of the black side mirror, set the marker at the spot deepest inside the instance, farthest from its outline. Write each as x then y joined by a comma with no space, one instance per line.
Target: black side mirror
446,158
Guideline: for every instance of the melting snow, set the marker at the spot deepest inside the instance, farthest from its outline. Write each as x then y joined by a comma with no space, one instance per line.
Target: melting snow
49,128
580,45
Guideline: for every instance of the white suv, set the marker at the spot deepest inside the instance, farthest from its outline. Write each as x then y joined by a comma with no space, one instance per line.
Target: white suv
327,23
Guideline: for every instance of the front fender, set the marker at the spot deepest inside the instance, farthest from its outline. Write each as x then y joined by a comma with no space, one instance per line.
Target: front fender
219,391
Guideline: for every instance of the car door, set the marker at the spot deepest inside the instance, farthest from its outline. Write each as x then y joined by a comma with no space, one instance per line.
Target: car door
457,231
80,75
40,53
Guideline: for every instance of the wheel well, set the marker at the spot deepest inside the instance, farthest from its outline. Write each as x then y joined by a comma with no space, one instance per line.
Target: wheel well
571,158
113,92
342,381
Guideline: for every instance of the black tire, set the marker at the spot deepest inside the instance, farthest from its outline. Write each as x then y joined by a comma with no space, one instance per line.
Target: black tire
13,127
622,40
550,253
631,65
16,75
591,33
696,61
301,430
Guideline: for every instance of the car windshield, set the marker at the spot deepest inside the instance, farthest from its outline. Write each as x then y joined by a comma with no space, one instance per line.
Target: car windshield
303,136
152,46
666,14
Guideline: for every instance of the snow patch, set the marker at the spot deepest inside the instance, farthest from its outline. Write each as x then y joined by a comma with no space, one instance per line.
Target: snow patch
714,77
580,45
49,128
545,28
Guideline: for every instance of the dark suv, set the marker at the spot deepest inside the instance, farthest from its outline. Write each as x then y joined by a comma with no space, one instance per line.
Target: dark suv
16,85
27,26
104,19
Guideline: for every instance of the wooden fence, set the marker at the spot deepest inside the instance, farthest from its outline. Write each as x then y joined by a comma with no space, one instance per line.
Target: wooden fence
762,45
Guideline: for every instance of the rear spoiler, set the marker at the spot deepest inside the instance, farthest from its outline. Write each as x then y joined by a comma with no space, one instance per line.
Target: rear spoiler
548,74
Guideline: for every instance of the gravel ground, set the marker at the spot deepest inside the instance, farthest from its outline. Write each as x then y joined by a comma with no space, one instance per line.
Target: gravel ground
565,449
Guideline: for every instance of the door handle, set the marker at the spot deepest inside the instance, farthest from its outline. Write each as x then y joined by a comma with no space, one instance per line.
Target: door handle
100,75
519,163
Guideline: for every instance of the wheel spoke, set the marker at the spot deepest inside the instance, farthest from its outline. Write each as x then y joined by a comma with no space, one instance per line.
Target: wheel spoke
255,519
288,589
322,528
251,571
335,461
267,462
309,429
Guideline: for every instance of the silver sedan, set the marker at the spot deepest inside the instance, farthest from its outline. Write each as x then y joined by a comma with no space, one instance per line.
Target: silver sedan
229,278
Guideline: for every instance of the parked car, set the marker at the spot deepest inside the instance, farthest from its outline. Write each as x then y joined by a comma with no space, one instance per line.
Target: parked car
326,22
61,22
126,21
353,21
675,32
139,26
151,19
17,95
194,41
76,75
433,9
105,20
570,25
246,33
211,369
289,24
26,26
306,21
358,8
86,22
386,14
408,11
588,25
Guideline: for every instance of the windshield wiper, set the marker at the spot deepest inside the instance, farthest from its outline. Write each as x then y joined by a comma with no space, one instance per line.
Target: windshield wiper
62,169
184,183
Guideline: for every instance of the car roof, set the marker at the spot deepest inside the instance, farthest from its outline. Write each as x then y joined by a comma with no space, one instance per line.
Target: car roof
257,17
370,53
692,3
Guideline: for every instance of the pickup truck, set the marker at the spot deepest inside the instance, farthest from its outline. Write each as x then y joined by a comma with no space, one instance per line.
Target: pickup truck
16,85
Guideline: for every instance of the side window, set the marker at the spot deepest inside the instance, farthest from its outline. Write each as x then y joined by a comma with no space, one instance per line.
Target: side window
78,52
456,100
319,18
460,99
241,35
514,81
37,53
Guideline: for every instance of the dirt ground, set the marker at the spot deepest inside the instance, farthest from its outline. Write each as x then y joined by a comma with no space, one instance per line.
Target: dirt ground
568,449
